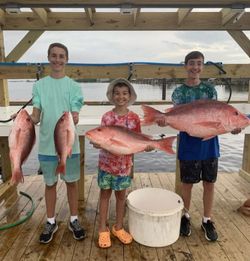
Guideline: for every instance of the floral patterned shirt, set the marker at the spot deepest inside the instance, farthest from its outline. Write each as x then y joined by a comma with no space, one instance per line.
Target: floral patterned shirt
114,164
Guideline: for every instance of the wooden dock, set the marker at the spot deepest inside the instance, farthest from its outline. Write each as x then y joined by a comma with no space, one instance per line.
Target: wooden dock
21,242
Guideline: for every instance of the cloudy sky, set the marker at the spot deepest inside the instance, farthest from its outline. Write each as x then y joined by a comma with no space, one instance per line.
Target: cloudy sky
124,46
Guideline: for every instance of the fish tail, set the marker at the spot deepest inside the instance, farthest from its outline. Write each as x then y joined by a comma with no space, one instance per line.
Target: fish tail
166,144
17,177
60,169
150,115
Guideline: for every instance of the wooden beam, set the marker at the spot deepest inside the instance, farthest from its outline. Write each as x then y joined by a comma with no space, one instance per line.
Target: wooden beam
5,160
140,71
89,15
2,17
81,181
42,14
182,14
118,3
245,170
230,15
63,21
23,46
136,14
4,92
242,40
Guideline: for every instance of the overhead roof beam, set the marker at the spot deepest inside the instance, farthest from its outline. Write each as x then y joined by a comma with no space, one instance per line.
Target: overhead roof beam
2,17
136,14
182,14
119,3
27,41
229,15
89,14
242,40
63,21
42,14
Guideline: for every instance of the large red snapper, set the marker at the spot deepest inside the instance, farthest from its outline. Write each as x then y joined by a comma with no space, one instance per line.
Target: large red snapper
64,137
21,140
121,141
201,118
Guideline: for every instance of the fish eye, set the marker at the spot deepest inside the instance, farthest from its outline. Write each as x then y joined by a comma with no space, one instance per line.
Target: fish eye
236,113
98,129
28,119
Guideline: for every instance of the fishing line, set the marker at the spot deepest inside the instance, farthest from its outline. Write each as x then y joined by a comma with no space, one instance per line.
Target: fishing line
38,74
23,219
222,71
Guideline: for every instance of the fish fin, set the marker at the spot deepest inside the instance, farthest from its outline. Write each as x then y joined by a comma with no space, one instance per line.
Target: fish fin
118,142
210,124
14,138
150,115
166,144
169,109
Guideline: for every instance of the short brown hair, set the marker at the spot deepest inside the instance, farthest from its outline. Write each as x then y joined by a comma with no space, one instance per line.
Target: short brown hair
60,46
194,55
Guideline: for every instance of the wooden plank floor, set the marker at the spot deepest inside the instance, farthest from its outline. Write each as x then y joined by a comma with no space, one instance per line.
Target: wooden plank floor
21,242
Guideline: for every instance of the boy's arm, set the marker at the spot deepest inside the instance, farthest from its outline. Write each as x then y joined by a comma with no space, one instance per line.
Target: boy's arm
75,116
35,115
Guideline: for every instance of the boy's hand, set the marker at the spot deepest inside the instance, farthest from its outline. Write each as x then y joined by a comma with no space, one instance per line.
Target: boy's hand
149,148
75,116
13,116
236,131
161,122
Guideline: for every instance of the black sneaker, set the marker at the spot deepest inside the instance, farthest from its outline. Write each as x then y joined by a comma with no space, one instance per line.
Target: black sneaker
185,226
78,232
210,231
48,232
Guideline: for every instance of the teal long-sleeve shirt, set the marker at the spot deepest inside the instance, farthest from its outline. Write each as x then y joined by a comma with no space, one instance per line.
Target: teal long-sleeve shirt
53,97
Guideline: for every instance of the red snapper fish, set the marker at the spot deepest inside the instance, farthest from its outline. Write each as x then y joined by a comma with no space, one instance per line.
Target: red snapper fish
21,140
64,137
202,118
121,141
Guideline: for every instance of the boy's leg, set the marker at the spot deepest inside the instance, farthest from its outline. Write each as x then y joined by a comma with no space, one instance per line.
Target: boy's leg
209,176
120,207
208,197
190,173
50,179
72,193
105,195
50,199
74,225
186,192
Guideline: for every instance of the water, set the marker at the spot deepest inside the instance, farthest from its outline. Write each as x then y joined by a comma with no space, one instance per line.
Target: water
155,161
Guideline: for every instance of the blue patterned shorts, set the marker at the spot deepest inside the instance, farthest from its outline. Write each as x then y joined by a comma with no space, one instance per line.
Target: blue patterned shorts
108,181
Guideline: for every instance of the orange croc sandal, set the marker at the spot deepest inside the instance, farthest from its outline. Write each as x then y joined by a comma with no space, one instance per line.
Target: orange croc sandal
104,240
122,235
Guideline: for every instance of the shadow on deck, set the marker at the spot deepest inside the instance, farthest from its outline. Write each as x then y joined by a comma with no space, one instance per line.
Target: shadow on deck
21,242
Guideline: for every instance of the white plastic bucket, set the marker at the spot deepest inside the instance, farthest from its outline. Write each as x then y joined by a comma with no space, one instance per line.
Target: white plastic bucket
154,216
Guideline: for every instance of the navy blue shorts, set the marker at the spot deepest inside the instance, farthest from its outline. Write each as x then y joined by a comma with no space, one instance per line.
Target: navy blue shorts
193,171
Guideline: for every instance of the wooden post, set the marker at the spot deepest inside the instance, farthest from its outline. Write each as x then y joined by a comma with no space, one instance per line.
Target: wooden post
245,170
164,88
177,171
5,161
4,95
82,166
